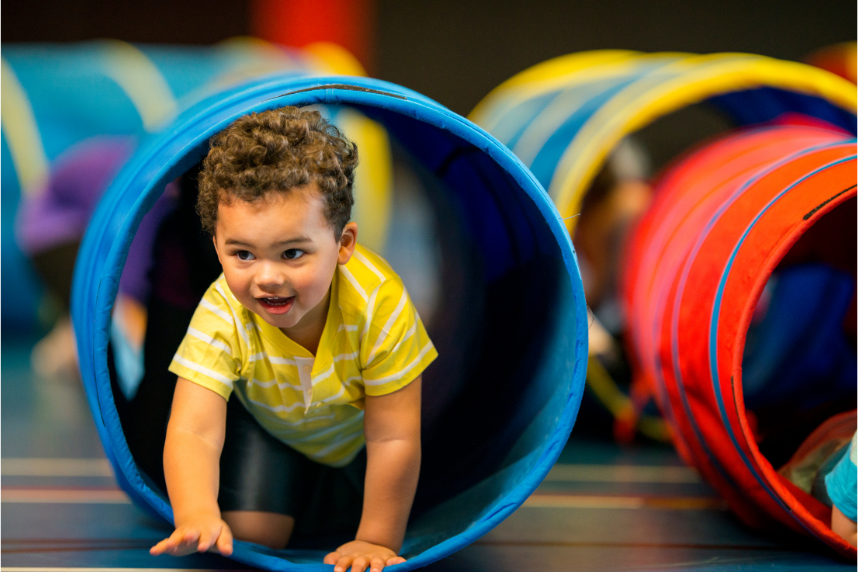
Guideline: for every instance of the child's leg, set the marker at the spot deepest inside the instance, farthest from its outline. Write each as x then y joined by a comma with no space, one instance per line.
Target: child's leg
843,527
266,528
263,482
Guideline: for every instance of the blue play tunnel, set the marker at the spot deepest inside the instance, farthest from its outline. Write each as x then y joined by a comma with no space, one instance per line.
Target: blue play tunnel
510,324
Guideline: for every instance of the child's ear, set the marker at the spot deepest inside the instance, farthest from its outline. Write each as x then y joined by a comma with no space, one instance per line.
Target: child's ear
217,251
348,241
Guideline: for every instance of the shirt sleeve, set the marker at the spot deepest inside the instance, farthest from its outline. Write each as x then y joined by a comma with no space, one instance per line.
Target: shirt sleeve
842,483
395,348
209,354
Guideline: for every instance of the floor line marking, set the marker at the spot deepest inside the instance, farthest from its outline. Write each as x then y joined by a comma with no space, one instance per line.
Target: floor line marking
657,545
55,467
70,467
93,495
622,474
113,495
561,500
46,569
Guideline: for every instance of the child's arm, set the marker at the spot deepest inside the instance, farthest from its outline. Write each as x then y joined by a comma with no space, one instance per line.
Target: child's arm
840,485
195,437
392,428
843,527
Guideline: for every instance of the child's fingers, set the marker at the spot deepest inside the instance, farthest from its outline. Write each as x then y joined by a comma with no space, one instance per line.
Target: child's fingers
343,563
395,560
224,541
186,541
207,539
181,542
331,558
160,548
185,536
376,564
359,564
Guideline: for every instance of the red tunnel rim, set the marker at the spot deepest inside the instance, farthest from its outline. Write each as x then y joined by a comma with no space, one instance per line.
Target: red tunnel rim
798,510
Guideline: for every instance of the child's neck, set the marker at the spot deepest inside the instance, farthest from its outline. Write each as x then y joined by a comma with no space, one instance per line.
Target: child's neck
308,332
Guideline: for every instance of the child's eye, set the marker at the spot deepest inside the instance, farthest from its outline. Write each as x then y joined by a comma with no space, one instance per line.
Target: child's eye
293,253
244,255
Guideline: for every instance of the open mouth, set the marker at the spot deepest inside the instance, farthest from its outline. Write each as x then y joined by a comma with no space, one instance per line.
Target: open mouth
277,305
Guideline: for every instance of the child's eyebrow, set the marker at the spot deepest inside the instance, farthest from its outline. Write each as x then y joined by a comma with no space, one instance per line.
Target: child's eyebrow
296,240
232,241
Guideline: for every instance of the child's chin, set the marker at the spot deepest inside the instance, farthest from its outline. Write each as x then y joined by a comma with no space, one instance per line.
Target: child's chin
280,321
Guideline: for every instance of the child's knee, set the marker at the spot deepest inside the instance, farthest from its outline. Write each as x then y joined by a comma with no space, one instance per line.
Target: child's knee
266,528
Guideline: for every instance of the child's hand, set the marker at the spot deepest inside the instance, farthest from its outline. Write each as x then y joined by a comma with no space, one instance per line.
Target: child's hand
197,535
362,556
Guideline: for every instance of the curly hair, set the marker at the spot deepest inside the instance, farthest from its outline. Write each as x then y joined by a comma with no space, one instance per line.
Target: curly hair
276,151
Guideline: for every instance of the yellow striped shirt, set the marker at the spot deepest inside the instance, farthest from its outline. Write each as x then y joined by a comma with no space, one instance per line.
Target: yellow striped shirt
373,344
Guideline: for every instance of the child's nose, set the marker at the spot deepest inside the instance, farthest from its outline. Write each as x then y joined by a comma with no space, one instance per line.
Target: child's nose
270,274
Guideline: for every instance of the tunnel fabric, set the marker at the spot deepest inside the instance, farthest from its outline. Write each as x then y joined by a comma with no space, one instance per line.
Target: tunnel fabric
508,222
112,88
563,117
723,220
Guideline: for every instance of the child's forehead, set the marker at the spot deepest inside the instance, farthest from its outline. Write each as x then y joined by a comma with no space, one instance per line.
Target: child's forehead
273,212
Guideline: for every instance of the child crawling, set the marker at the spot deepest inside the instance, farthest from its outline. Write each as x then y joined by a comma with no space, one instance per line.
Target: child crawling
316,337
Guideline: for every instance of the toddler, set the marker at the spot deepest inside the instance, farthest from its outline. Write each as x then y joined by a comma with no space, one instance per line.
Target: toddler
319,342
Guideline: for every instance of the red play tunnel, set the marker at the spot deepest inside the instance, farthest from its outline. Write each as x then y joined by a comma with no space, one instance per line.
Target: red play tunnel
740,290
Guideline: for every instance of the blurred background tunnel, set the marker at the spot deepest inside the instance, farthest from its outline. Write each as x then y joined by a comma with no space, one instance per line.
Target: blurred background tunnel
453,52
73,115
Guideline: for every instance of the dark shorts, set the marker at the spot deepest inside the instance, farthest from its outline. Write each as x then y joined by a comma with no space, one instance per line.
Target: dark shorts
260,473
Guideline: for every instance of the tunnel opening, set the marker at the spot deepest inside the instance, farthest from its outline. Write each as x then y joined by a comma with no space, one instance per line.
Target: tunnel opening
505,312
799,359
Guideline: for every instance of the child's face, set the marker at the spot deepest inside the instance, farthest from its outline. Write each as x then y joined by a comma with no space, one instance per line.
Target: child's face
279,256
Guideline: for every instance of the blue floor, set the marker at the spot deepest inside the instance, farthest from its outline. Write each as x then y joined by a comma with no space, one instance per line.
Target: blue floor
602,507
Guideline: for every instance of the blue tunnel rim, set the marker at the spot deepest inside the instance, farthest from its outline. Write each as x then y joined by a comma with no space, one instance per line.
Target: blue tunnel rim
96,277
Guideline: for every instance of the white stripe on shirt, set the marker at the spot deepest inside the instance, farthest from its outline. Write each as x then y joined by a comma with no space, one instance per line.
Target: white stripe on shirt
210,340
353,281
370,309
347,439
278,408
304,420
280,385
385,331
341,357
203,370
337,395
369,265
242,330
324,375
407,335
217,311
261,356
327,431
406,369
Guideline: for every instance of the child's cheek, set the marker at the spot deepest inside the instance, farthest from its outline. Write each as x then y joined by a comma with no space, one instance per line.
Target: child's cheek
312,284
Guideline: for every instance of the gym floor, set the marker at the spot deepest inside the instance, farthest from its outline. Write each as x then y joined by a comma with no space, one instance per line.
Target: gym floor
601,508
